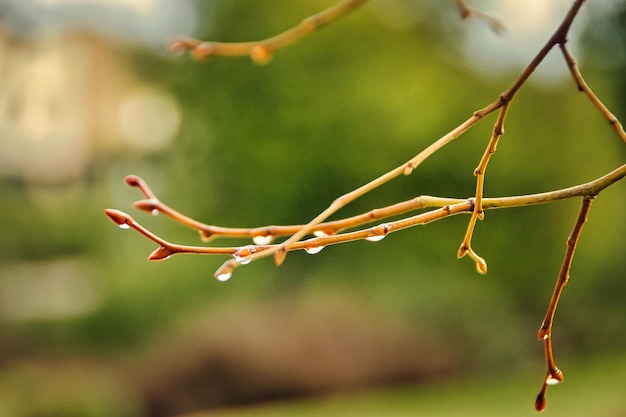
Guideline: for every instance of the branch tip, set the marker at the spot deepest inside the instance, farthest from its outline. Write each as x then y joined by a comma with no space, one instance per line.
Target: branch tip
280,255
224,272
149,206
160,254
133,180
118,217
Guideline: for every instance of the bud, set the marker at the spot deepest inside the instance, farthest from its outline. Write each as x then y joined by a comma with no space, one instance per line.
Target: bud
160,254
261,54
118,217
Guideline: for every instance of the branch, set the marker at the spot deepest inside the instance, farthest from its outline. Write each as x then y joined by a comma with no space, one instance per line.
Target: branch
243,255
477,213
468,12
407,168
326,233
262,51
554,375
584,88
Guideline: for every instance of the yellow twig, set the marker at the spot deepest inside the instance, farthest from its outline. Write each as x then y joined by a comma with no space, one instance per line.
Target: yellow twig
262,51
554,375
447,207
583,87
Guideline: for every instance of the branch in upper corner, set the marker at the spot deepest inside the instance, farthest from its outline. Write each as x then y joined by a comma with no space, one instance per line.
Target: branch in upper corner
468,12
262,51
583,87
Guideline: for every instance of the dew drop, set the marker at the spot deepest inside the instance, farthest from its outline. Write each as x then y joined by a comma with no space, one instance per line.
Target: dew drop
555,377
242,260
224,272
314,249
552,381
155,212
225,276
124,226
262,239
408,170
376,238
242,255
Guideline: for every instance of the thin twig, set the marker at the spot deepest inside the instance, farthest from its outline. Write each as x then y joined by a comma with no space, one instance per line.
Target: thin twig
266,234
468,12
407,168
479,172
262,51
448,206
583,87
554,375
558,38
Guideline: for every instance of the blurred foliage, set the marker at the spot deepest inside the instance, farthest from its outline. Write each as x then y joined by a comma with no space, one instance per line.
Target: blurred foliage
276,144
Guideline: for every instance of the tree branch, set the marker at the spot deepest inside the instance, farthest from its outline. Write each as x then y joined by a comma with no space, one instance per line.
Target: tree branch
554,375
262,51
243,255
583,87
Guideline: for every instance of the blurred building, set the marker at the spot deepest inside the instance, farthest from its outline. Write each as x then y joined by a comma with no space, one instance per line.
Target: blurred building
66,93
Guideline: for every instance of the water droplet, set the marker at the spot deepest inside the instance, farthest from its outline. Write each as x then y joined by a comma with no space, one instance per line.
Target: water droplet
321,233
155,212
242,255
408,169
224,272
552,381
555,377
312,250
242,260
224,276
124,226
379,233
262,239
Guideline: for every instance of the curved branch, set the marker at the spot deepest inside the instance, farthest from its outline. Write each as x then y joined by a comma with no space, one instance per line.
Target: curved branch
447,206
262,51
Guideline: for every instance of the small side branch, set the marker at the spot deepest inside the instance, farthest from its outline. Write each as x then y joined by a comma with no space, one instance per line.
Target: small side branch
262,51
583,87
554,375
244,254
479,172
468,12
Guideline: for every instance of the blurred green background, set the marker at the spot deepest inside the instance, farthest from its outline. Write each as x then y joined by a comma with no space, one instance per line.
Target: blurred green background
88,327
